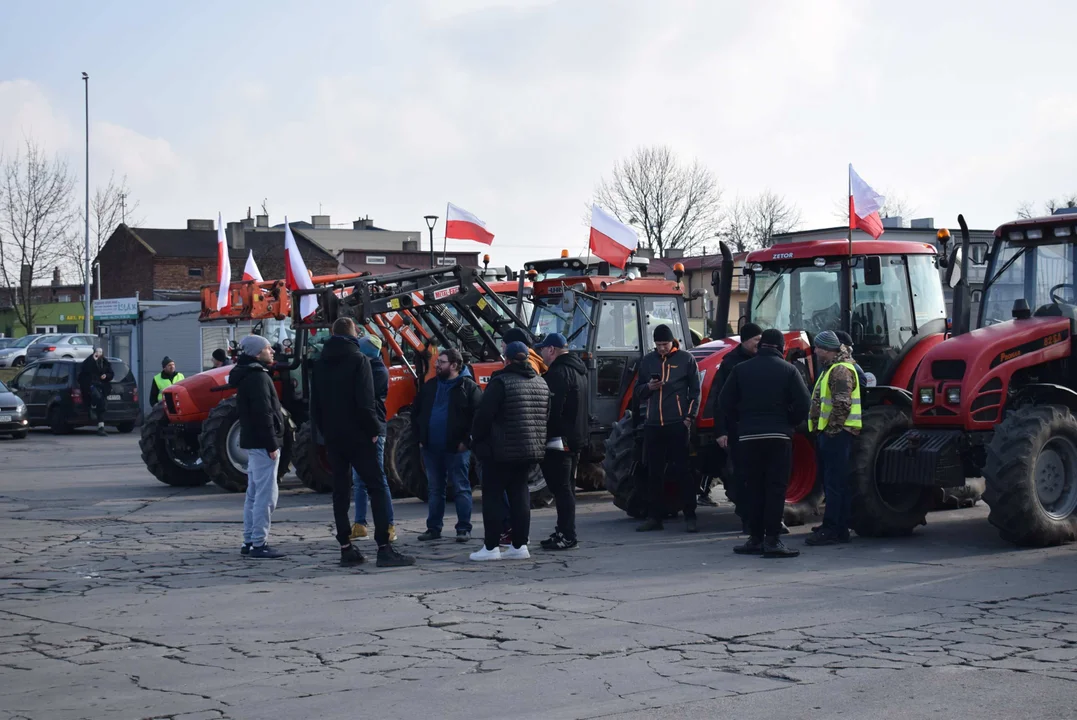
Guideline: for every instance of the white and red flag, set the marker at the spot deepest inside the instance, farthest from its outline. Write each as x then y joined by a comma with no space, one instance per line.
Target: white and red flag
864,206
611,240
224,267
462,225
250,270
296,276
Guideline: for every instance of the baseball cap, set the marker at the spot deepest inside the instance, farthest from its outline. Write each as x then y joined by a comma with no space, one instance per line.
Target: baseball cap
516,352
554,340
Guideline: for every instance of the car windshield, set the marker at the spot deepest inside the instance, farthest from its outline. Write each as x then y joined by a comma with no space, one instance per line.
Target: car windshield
1039,274
3,387
549,318
793,297
24,341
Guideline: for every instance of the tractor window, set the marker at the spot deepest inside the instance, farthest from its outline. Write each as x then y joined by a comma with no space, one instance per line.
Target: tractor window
996,304
882,316
618,326
928,301
663,311
797,298
548,318
611,370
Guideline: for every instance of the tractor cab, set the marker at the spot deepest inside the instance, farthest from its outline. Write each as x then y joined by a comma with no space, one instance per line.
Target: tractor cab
565,266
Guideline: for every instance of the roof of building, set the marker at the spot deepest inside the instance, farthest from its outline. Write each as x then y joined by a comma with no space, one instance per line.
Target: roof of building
693,263
178,243
336,241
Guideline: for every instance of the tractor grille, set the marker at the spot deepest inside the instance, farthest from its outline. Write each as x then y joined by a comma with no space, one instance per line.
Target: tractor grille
701,353
986,406
940,412
948,369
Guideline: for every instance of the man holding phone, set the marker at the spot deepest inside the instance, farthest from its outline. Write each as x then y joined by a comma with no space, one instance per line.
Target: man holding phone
669,390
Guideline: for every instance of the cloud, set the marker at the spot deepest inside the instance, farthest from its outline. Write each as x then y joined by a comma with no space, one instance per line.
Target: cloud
25,112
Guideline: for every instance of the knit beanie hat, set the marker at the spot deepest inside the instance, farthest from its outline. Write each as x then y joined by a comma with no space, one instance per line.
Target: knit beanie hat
662,333
749,331
827,340
253,345
370,346
772,338
516,335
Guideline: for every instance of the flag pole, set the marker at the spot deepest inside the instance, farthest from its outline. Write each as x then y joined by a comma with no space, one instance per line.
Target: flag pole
849,197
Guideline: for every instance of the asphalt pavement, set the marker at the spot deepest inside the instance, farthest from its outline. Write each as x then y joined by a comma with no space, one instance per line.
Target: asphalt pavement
121,597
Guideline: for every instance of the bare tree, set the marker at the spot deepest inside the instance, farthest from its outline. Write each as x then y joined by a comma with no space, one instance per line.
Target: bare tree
109,206
752,223
1028,210
674,204
36,215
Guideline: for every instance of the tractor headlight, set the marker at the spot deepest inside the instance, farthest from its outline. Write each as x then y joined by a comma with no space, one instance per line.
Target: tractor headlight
953,395
927,396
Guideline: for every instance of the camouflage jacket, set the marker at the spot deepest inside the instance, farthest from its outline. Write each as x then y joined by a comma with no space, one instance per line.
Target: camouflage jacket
842,381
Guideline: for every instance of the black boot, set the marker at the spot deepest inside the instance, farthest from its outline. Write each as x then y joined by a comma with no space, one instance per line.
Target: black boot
389,557
773,547
754,546
350,555
649,524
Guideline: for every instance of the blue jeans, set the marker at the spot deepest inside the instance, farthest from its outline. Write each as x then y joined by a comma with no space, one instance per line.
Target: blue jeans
832,452
442,468
380,482
261,497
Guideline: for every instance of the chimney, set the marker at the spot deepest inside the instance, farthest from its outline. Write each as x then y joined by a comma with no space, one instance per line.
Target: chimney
56,281
248,223
236,240
922,224
642,252
261,221
410,245
674,253
320,222
193,224
363,223
893,222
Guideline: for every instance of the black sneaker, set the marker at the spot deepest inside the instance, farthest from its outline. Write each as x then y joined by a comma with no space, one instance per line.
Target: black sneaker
246,549
706,500
264,552
102,431
690,525
351,556
649,525
557,541
825,536
754,546
430,535
463,536
389,557
775,548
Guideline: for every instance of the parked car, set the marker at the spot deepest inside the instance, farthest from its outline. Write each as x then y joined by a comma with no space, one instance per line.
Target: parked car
50,390
7,342
15,356
12,414
50,347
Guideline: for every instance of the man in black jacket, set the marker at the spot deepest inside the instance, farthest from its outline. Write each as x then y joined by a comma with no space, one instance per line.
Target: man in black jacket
344,413
442,415
727,436
765,398
566,433
261,433
95,380
669,386
509,436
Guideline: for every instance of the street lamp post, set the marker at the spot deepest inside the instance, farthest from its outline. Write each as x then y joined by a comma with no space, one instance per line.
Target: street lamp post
431,221
86,210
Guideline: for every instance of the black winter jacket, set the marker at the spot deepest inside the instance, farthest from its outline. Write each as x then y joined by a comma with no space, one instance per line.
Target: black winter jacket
510,424
380,374
569,401
765,397
678,398
90,373
732,359
464,400
261,422
342,394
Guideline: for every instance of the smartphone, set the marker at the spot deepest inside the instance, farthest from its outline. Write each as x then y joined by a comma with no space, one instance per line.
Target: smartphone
654,377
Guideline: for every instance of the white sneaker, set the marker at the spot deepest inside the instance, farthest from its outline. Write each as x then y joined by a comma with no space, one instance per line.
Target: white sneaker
512,553
483,554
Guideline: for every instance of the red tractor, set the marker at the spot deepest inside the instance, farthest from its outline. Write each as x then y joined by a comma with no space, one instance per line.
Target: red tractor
1001,400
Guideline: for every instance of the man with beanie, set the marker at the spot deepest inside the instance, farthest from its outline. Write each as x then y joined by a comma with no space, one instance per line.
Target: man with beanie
370,346
168,376
220,358
345,414
95,380
765,399
835,418
566,433
261,433
669,386
509,436
442,416
725,435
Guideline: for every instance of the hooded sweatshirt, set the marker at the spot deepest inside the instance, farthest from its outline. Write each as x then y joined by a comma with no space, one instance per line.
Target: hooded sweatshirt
343,405
569,402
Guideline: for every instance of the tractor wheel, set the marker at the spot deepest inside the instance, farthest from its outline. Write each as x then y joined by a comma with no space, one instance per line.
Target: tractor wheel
222,458
405,463
590,476
393,436
311,462
624,475
1031,476
804,494
169,459
883,510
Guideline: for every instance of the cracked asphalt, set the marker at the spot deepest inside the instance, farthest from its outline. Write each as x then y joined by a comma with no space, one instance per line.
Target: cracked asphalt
121,597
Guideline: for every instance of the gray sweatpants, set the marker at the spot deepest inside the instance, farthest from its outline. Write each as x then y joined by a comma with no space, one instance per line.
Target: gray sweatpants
261,496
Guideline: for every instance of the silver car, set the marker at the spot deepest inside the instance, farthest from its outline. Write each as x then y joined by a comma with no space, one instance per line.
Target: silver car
15,356
55,347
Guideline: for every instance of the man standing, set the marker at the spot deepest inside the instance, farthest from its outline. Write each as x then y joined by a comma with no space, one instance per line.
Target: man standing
220,358
168,376
835,417
371,348
261,433
509,436
726,435
669,385
345,415
765,399
443,413
95,380
566,433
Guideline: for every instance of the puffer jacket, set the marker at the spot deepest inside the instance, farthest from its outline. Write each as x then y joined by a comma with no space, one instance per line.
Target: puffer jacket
261,422
678,398
569,401
510,424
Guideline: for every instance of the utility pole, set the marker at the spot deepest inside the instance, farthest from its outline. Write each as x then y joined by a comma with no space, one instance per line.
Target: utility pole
86,269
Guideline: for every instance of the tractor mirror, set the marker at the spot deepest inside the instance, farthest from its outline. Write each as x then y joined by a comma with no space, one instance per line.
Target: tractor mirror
568,302
873,270
953,273
978,253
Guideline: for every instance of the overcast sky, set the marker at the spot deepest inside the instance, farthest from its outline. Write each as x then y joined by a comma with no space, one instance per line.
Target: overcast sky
514,110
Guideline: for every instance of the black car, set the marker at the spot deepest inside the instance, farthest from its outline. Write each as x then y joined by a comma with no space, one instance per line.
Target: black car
50,389
12,414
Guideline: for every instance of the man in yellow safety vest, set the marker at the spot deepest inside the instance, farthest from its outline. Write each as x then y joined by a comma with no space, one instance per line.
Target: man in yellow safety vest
835,419
163,379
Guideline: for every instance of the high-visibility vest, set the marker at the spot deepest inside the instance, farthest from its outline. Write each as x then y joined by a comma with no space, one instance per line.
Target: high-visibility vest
161,382
855,419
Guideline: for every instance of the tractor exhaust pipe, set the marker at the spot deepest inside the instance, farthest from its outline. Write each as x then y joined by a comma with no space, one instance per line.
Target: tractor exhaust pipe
722,282
962,296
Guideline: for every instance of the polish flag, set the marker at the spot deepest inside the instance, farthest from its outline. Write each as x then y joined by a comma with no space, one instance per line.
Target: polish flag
611,240
250,270
864,206
224,268
462,225
296,276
